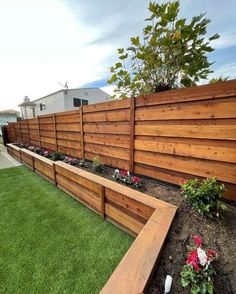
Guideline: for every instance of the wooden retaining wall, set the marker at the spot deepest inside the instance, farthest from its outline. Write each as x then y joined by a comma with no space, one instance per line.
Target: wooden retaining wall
141,215
171,135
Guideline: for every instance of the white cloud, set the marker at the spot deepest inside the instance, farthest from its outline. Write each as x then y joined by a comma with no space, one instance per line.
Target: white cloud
226,40
44,42
226,70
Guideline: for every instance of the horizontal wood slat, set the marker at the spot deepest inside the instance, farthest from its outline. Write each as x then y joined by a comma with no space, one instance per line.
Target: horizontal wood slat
181,127
204,168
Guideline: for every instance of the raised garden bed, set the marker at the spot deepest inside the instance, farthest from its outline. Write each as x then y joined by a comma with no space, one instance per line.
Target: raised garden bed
50,243
139,214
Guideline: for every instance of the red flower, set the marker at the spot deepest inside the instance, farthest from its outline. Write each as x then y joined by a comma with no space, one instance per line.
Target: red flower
136,180
182,181
123,173
198,241
192,259
211,254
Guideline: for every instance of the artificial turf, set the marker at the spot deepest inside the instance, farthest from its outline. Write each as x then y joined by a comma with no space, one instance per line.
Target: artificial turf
51,243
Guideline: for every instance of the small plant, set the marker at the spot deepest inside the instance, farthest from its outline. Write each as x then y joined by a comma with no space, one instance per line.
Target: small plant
71,160
97,164
198,271
137,182
46,154
22,145
55,156
83,163
204,195
124,176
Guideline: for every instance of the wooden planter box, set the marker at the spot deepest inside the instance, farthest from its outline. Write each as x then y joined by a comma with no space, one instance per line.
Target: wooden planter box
141,215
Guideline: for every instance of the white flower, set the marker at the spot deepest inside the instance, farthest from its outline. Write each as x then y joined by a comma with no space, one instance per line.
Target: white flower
202,256
117,171
128,173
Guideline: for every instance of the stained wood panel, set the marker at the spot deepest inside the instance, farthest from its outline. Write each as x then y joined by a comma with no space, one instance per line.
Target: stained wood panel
190,132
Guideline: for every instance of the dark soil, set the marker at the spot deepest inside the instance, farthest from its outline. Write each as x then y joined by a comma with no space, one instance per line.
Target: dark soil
188,223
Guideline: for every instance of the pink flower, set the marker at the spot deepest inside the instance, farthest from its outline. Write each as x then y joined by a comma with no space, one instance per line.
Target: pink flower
198,241
182,181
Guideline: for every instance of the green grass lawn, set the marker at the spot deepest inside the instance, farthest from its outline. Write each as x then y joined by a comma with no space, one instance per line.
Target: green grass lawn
49,242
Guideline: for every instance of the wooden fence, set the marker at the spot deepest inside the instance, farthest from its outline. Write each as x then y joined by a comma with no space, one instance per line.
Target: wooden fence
171,135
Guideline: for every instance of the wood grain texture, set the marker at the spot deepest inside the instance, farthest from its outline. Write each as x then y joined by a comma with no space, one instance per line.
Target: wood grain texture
134,271
180,128
204,168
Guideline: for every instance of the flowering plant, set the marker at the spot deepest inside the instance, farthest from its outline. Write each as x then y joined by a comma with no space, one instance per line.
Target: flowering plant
46,154
198,270
71,160
204,195
124,176
137,182
97,164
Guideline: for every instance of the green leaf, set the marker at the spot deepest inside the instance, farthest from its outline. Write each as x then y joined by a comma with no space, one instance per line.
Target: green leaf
118,65
214,37
135,41
184,282
209,287
121,50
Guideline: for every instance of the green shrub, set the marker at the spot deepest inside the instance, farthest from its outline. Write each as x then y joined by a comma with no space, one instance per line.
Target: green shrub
57,156
204,195
97,164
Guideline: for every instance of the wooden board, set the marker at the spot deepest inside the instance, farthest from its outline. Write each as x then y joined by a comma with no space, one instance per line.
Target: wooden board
204,168
135,269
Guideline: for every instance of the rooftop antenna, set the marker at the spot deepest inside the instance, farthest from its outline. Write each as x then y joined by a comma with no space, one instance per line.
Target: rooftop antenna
64,86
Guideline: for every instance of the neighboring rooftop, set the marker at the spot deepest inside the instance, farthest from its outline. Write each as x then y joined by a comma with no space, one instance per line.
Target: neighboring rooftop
65,90
9,111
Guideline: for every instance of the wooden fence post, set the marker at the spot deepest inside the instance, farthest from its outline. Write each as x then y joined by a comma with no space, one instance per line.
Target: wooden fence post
20,133
39,132
132,122
55,130
28,131
81,131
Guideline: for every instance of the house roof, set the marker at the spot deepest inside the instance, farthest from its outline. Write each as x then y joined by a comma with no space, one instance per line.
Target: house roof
9,111
63,90
27,104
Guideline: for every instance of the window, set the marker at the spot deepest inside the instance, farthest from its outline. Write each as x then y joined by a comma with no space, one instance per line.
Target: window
77,102
84,102
42,106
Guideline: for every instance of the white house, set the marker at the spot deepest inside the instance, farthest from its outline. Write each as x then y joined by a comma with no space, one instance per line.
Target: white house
62,100
7,116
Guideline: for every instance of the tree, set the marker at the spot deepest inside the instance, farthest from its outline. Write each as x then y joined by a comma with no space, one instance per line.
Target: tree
219,79
171,54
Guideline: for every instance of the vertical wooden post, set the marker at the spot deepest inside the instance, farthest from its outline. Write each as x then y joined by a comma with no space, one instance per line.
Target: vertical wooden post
132,117
54,173
81,131
39,132
55,130
28,131
21,139
102,202
14,129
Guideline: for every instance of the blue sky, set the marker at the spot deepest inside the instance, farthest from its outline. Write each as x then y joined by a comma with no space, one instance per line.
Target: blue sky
47,42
